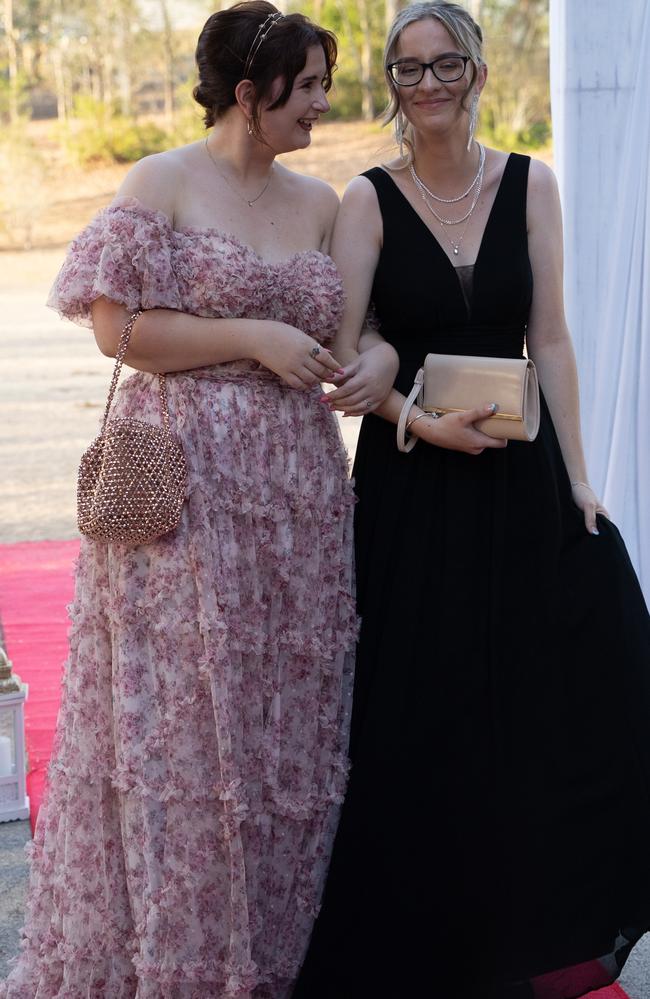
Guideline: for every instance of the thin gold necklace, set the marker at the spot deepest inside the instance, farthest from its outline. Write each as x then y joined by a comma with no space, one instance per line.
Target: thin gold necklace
250,202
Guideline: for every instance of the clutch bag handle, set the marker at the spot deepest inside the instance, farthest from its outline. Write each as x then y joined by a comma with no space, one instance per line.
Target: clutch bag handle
413,396
122,348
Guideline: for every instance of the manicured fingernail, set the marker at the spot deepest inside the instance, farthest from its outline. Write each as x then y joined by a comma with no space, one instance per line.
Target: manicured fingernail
340,371
595,530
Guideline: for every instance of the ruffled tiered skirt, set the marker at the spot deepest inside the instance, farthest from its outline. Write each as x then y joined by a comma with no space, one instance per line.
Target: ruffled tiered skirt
200,757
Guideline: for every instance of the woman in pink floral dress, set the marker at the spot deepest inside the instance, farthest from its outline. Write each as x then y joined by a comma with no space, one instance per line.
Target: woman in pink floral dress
201,747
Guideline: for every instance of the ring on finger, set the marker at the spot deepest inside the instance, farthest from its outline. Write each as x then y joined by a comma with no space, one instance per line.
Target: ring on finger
315,351
368,404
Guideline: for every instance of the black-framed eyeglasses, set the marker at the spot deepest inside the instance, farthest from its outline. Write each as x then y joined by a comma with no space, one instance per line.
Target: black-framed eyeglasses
409,72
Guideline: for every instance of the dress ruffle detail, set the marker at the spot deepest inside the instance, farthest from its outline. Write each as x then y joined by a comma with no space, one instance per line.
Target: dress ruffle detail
132,255
200,756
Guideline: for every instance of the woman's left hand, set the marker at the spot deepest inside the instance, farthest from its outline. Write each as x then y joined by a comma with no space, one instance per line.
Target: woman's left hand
366,381
586,500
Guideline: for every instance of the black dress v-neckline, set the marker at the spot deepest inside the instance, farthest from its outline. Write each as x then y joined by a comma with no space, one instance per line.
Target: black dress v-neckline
486,229
433,317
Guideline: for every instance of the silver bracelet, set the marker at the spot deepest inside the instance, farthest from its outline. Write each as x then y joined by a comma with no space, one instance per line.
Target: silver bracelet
585,484
434,416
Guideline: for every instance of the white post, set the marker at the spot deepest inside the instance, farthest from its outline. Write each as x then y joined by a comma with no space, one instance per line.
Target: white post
602,150
14,803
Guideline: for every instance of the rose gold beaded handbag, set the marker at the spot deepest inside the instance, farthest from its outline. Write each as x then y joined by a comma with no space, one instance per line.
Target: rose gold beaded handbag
131,484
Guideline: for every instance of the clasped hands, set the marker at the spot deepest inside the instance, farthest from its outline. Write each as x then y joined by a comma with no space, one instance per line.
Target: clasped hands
366,382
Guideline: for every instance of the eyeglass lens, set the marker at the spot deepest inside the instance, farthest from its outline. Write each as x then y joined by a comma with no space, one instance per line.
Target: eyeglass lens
446,69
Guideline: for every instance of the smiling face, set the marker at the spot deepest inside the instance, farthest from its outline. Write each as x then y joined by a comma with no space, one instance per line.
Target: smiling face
289,127
430,105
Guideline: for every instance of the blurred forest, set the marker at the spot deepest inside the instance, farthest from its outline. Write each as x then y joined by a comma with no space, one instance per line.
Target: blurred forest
91,82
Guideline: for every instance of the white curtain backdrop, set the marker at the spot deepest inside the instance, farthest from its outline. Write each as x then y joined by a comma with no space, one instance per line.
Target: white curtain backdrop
601,125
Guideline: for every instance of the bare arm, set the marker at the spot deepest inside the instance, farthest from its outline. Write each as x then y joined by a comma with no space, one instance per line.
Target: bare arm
356,245
358,236
548,338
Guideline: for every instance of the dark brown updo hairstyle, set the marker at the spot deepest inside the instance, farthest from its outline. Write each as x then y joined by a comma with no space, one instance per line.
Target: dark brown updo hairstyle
225,43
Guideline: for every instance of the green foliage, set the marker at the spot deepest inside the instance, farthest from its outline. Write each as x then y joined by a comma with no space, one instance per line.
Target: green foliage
97,134
130,141
113,65
188,120
22,95
516,105
23,190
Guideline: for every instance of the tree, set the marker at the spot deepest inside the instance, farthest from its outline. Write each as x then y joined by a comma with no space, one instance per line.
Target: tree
516,101
168,50
392,8
12,60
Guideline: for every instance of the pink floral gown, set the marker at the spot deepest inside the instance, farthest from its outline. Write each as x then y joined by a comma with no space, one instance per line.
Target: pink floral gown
200,757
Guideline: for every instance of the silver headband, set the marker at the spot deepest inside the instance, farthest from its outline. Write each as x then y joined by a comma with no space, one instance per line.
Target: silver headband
260,37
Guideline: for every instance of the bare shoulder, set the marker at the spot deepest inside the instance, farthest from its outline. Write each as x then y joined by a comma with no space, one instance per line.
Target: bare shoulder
312,192
543,209
360,195
542,182
154,180
359,217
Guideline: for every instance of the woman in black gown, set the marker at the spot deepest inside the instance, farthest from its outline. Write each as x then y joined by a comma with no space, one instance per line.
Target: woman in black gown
494,839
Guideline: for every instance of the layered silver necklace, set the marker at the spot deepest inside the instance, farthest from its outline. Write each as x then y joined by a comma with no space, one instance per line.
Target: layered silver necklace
476,186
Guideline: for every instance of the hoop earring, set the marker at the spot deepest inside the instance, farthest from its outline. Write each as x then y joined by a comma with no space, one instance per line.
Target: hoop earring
473,119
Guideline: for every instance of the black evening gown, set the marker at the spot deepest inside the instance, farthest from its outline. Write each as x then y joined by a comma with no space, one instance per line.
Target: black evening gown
495,838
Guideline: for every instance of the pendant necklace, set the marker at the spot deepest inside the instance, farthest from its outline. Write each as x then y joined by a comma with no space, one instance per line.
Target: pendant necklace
455,244
249,201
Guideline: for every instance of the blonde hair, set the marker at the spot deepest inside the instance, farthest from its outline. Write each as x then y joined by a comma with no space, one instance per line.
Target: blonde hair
461,26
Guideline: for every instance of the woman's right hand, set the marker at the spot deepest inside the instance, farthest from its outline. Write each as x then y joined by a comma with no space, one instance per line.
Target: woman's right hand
456,431
293,355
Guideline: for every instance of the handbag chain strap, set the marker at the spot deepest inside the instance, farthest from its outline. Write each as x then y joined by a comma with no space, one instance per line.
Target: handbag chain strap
122,348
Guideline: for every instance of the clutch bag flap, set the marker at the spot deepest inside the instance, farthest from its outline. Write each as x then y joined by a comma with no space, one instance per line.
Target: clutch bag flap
455,383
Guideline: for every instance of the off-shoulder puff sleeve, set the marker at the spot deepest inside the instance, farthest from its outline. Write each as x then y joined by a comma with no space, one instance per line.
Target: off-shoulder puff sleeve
125,253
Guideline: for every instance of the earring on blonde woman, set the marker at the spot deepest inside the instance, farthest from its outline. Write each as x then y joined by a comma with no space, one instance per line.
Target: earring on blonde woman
399,133
473,119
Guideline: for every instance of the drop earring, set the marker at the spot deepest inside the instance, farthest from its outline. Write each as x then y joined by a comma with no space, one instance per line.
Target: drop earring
399,132
473,119
249,127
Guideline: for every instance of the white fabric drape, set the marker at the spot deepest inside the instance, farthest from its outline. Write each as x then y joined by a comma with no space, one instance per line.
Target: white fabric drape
601,130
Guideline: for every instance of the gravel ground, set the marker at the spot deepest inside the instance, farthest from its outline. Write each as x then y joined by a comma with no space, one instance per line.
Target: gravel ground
13,877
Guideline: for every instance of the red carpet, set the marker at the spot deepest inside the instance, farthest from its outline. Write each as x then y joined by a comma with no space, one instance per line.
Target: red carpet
36,585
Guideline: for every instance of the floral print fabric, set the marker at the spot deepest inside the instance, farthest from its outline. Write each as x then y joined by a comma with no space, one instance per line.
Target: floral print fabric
200,757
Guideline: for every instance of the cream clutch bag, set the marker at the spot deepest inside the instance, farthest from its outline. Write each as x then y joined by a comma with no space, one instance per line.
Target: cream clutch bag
453,383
